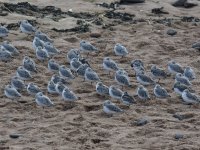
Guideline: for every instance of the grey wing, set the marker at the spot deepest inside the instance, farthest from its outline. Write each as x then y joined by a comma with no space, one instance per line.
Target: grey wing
3,30
29,27
162,92
146,78
122,79
177,68
13,92
114,108
93,76
143,93
103,89
42,54
88,47
45,101
194,97
111,65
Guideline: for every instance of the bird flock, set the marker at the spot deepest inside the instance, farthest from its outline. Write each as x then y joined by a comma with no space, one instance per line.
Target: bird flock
79,66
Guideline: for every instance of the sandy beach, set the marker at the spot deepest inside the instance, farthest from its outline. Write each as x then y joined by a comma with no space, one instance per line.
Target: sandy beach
86,126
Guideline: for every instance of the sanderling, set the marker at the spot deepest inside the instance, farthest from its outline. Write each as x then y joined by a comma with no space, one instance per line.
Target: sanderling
87,47
17,83
56,78
75,64
26,27
51,88
5,55
42,36
143,93
53,66
90,75
115,92
23,74
158,73
120,50
174,67
109,64
68,95
144,79
138,66
137,62
189,73
73,53
179,88
83,61
182,79
51,50
190,98
9,47
81,69
102,89
110,108
37,42
3,31
11,92
43,100
60,87
127,99
29,64
65,72
33,89
160,92
41,54
121,78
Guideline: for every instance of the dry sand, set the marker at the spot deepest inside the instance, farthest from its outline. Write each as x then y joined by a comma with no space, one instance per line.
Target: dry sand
85,126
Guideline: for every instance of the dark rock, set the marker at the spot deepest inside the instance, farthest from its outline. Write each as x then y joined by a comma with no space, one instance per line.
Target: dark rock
183,116
183,3
171,32
196,45
113,5
159,11
132,1
190,5
140,122
14,136
190,19
178,136
179,3
95,35
119,15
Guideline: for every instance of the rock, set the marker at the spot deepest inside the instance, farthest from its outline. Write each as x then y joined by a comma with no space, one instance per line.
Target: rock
189,5
183,116
95,35
178,136
196,45
171,32
140,122
132,1
179,3
159,11
14,136
183,3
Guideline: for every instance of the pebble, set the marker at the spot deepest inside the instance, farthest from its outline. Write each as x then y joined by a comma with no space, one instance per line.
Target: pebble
14,136
196,45
178,136
171,32
140,122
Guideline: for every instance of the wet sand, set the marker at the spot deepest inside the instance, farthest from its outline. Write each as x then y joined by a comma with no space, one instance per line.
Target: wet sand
85,126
